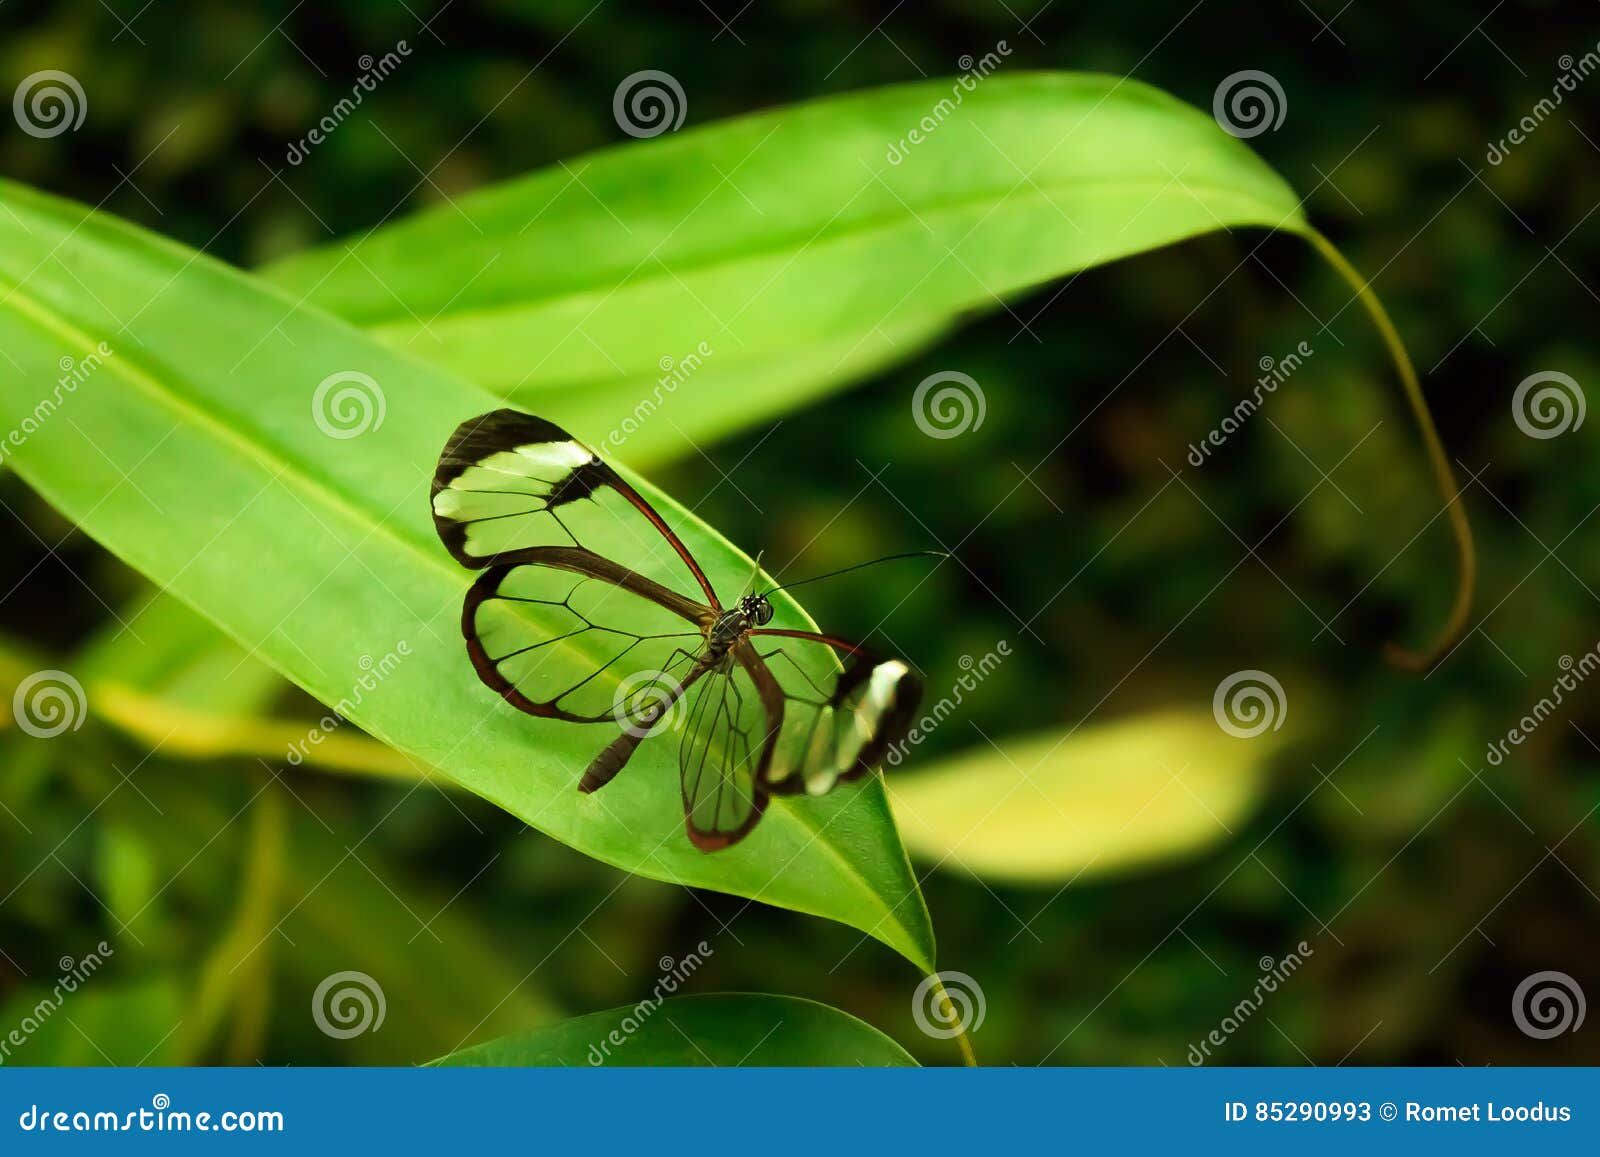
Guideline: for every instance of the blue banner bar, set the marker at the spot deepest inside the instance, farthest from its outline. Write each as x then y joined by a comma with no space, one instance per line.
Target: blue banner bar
781,1111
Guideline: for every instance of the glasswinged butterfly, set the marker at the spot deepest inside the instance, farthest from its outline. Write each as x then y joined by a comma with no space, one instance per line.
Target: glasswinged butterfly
760,715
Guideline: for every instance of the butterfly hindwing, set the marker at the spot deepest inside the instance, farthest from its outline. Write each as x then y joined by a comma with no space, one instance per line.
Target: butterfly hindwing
833,728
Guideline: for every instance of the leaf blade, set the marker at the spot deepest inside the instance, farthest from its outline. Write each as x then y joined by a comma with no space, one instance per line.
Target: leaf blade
192,452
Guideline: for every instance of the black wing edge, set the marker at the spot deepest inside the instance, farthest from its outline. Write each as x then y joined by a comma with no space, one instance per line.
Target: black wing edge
505,429
859,663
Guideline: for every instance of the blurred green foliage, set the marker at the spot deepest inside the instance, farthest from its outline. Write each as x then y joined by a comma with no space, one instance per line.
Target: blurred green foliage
1428,882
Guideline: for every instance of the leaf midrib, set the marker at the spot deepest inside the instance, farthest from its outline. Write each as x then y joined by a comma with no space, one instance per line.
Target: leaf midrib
393,322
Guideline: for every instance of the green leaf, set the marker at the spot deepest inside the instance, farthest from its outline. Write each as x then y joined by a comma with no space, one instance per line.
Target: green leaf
788,242
1061,807
192,450
721,1029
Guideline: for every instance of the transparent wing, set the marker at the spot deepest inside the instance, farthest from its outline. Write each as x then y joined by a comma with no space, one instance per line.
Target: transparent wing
565,634
832,725
727,742
508,481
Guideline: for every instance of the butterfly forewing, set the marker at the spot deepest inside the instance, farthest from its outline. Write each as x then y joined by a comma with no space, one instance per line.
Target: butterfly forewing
508,481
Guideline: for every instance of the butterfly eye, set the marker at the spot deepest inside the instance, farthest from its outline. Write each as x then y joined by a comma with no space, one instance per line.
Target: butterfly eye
763,612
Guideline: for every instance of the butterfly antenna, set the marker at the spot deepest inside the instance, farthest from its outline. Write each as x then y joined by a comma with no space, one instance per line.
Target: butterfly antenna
860,565
755,573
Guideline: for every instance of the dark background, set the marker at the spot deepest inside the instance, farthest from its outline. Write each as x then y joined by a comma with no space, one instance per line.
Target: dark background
1427,882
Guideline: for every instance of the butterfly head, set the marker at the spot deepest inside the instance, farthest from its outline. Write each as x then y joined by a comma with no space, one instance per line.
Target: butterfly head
757,611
